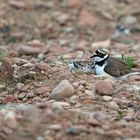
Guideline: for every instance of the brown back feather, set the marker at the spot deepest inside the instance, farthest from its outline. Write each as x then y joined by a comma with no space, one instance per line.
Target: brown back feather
115,67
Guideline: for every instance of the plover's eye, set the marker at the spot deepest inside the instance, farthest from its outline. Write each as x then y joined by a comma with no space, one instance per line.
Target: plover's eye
101,54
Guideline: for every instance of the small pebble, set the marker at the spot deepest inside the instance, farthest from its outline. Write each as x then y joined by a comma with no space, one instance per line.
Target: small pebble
107,98
60,105
30,95
81,88
22,95
40,138
73,131
82,82
19,86
55,127
113,105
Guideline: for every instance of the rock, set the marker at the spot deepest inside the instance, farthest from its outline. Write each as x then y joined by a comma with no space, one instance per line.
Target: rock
3,94
113,105
93,122
82,82
8,98
40,138
41,56
55,127
74,3
35,44
111,81
22,95
6,70
18,62
124,94
122,102
10,119
25,88
2,87
73,131
28,65
18,35
17,4
41,66
133,88
75,84
19,86
137,138
73,99
63,18
30,95
104,44
52,70
76,129
89,86
62,90
134,78
22,107
130,19
103,87
107,98
90,93
99,115
37,99
60,105
28,50
81,88
129,115
31,74
41,90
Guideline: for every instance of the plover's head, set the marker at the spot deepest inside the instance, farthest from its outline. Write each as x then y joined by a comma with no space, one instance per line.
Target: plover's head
99,56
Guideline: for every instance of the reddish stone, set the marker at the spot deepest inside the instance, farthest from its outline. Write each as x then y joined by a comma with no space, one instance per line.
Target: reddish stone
74,3
103,88
28,50
8,98
18,35
62,90
6,69
35,44
41,90
41,66
17,4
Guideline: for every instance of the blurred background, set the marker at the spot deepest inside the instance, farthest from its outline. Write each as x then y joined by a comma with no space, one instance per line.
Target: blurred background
66,22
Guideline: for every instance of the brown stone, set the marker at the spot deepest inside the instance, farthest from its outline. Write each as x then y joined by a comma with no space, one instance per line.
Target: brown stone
103,88
62,90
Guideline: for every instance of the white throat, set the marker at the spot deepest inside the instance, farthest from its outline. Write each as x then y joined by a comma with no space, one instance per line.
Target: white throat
100,69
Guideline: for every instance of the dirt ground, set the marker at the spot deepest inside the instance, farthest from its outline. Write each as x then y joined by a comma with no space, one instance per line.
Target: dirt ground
37,40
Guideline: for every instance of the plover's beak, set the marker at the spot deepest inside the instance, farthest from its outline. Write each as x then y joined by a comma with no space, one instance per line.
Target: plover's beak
93,55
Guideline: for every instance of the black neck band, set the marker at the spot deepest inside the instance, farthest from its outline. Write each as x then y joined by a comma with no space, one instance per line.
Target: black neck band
100,63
